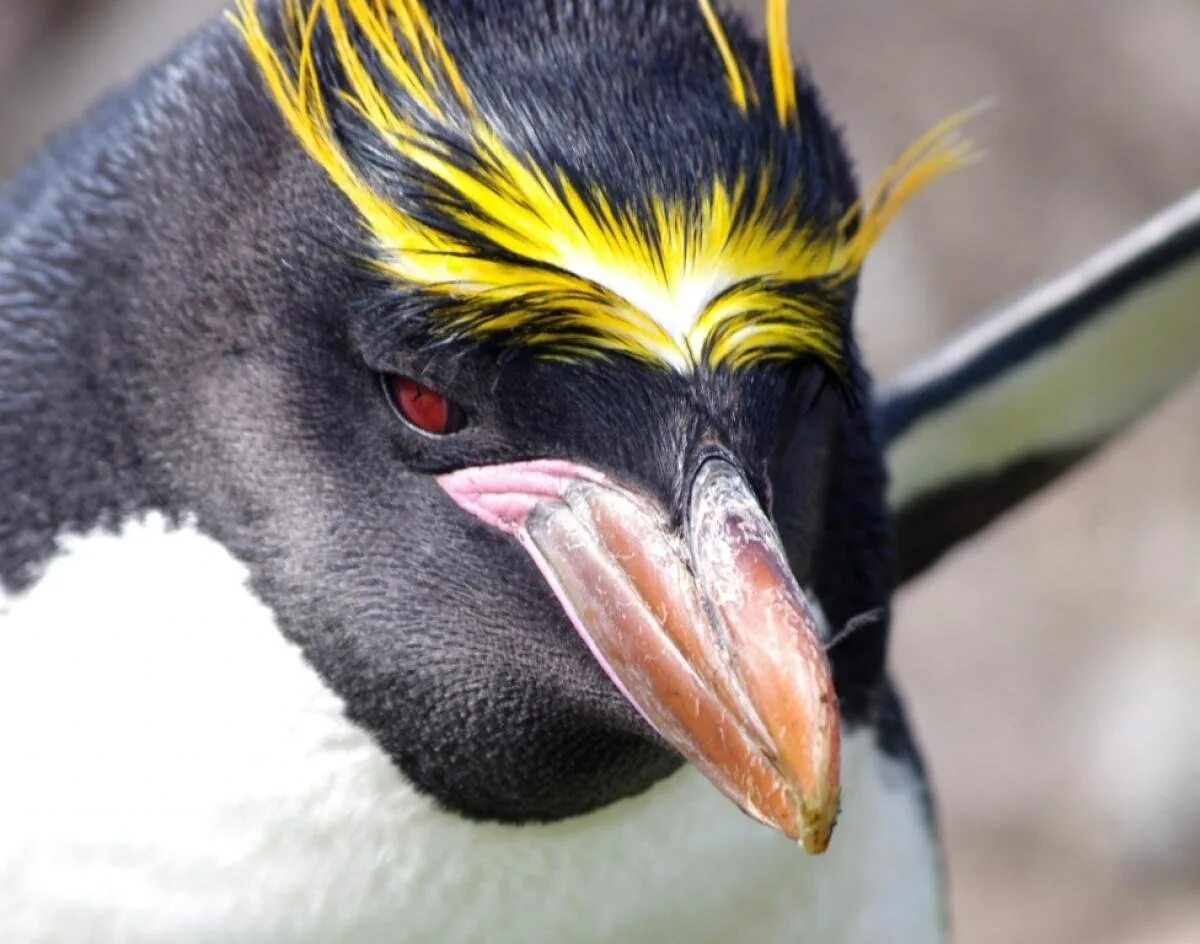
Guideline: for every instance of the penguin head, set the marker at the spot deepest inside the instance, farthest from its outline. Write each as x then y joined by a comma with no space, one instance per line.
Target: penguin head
522,350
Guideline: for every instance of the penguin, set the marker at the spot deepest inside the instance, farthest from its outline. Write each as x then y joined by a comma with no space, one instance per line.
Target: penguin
445,500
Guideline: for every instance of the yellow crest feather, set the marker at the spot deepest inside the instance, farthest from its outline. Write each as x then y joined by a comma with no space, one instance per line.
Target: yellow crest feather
577,275
783,75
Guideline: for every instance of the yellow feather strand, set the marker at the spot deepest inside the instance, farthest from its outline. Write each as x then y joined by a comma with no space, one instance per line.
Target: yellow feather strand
783,70
936,153
733,67
569,271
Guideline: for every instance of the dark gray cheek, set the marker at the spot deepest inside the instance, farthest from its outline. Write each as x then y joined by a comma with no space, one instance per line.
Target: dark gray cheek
438,633
452,654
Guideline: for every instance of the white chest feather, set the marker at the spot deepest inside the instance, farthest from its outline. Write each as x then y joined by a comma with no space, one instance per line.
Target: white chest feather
174,771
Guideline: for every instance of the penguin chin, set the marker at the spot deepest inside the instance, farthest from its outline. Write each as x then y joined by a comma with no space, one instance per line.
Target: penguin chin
574,770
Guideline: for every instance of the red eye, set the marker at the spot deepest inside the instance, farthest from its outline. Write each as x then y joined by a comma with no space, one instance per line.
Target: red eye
422,407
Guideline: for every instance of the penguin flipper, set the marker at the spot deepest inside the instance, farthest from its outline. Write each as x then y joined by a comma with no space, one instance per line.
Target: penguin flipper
1042,383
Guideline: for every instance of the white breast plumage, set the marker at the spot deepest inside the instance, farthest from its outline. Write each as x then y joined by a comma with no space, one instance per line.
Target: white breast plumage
175,771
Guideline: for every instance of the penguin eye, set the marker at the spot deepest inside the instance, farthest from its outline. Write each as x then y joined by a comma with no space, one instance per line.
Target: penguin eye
422,407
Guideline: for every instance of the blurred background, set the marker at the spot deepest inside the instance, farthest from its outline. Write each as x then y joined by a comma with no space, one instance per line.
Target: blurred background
1053,667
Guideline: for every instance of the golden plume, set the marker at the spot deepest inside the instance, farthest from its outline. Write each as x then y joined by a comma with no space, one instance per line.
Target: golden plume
565,268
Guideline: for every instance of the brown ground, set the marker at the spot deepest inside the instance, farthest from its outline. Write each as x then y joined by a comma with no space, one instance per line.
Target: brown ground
1052,668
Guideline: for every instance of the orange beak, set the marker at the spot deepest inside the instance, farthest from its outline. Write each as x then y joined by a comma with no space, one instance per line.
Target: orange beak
705,632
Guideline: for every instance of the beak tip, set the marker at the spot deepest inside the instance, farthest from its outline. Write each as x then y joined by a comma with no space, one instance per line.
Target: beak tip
812,822
818,827
815,844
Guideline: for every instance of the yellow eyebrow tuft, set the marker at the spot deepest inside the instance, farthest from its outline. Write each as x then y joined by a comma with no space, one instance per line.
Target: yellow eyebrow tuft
940,150
517,252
